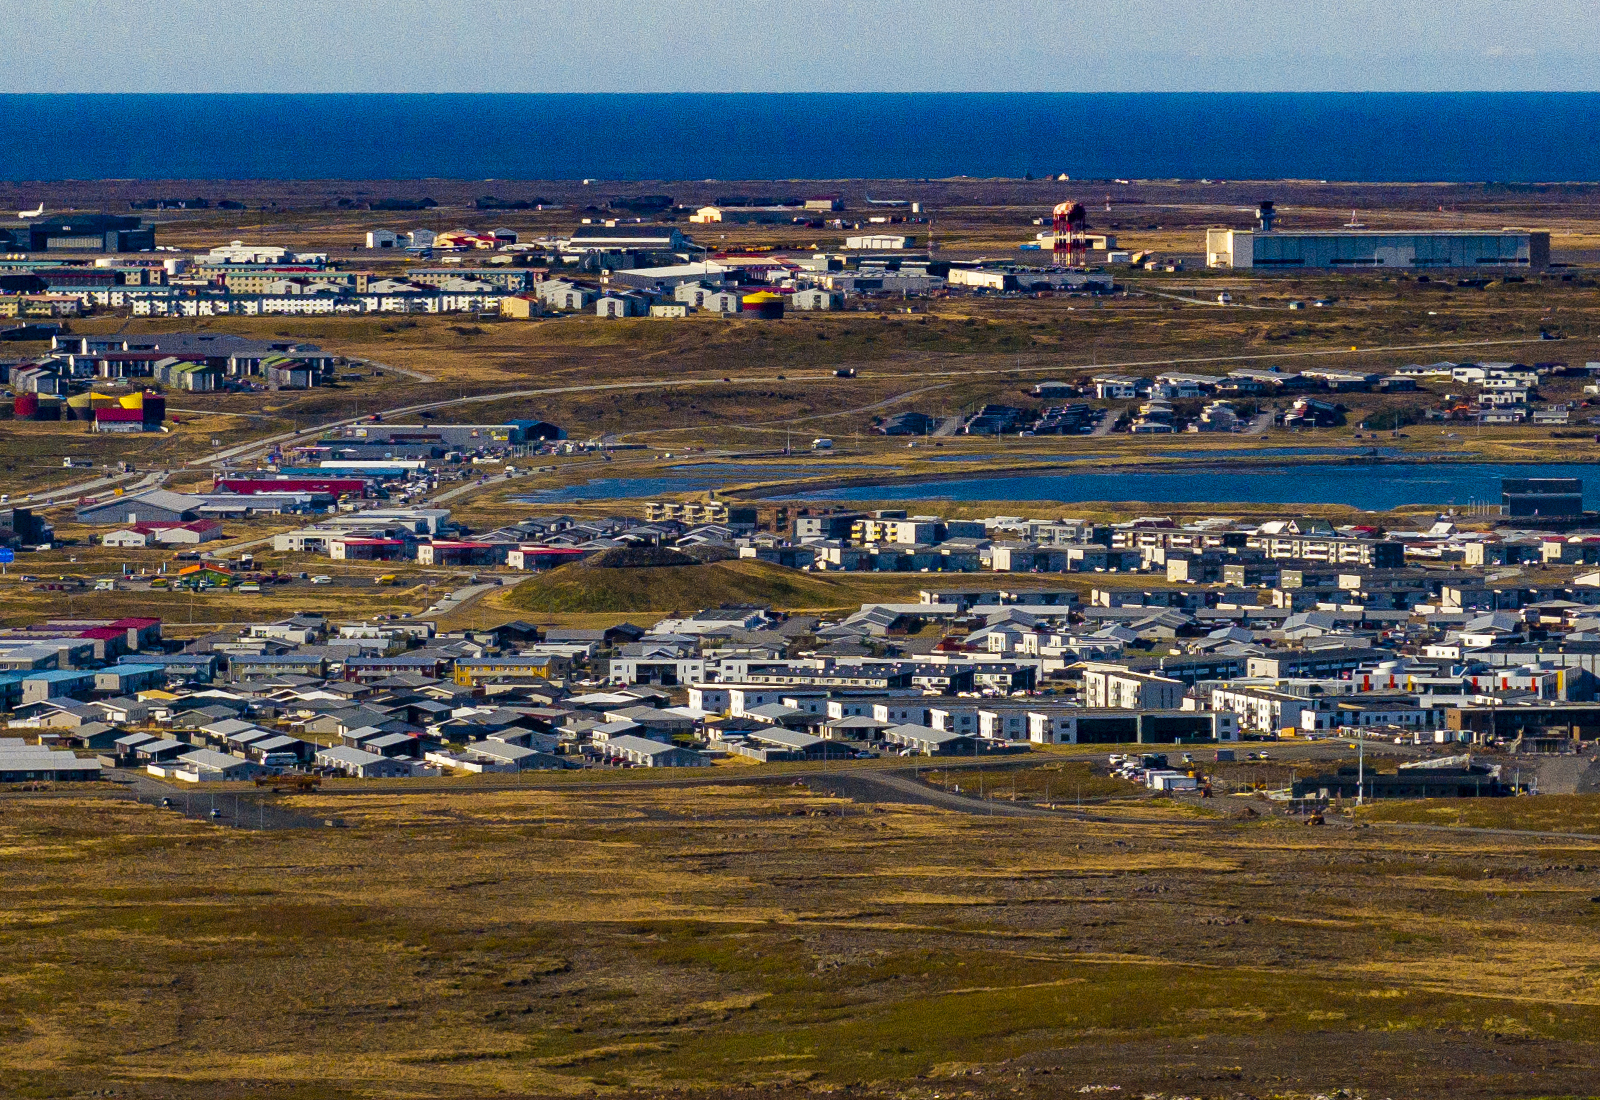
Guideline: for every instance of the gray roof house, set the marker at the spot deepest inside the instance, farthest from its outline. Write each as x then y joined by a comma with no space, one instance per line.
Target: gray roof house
651,754
210,766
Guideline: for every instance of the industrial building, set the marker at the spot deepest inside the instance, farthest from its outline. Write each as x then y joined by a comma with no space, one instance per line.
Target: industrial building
1361,249
1527,497
84,233
624,238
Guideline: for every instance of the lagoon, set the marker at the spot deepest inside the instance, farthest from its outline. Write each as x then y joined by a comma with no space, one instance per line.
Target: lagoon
1370,486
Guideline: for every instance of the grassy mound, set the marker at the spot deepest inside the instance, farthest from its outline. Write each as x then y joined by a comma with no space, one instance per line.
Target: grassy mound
638,557
587,587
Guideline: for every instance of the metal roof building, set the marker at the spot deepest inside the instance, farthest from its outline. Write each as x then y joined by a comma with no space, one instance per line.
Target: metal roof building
1365,249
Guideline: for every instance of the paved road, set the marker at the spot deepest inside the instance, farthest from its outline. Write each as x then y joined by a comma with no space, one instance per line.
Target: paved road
147,480
456,600
1206,301
375,365
248,807
473,485
906,789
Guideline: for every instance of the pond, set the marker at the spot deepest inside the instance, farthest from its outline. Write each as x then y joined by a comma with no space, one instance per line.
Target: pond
1373,486
1248,452
691,478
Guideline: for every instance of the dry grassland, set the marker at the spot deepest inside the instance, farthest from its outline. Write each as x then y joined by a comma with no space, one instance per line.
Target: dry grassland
956,347
706,940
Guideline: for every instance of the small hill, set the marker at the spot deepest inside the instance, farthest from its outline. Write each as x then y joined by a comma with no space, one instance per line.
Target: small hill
638,557
592,585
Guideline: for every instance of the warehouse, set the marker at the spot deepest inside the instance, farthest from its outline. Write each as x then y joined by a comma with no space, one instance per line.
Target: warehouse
84,233
666,278
153,506
1517,249
624,238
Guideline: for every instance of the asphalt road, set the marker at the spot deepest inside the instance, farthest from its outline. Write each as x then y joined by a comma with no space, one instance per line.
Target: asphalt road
456,600
248,807
147,480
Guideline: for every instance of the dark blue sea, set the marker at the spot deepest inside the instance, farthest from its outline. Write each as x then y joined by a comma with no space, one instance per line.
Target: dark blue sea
1459,137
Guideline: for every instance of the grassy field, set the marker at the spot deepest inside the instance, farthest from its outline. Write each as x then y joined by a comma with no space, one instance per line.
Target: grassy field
581,588
948,356
617,940
1556,813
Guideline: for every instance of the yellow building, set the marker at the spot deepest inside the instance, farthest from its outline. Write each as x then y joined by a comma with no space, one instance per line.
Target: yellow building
40,305
474,672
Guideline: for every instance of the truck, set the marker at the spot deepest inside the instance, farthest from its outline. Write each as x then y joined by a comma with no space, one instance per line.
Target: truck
821,444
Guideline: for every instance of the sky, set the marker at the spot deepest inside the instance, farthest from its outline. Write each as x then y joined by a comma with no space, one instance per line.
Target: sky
790,46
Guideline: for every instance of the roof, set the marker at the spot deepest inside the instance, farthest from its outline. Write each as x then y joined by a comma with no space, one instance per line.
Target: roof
130,670
34,758
911,730
212,760
60,675
499,750
341,754
157,498
625,232
790,738
642,746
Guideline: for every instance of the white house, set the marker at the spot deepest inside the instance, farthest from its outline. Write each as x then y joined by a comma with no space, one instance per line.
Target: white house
210,766
816,298
621,305
560,294
876,242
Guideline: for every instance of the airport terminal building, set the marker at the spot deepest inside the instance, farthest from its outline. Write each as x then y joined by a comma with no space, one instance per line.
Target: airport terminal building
1512,249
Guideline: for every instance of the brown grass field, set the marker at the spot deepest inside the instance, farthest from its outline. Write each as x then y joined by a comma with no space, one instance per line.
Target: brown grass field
763,941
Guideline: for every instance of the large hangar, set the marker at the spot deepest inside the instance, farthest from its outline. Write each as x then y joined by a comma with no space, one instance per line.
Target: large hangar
1517,249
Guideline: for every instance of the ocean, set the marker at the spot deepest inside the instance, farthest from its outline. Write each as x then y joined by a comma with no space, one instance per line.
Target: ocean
1512,137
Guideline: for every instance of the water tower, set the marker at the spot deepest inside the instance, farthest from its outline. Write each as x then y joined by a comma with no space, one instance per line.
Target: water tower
1070,223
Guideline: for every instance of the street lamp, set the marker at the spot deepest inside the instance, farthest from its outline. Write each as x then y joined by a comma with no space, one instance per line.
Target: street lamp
1361,765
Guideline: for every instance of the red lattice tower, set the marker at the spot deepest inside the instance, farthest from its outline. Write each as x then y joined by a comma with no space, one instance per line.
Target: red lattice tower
1070,223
